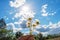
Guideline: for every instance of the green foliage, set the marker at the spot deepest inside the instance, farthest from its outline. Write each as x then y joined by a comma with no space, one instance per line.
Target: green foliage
18,34
38,36
2,24
4,33
52,36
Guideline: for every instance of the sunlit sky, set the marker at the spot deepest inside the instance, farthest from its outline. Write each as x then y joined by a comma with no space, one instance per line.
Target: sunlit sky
15,13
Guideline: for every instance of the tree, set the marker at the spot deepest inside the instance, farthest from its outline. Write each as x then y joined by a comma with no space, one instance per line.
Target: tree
36,37
40,36
3,31
5,34
18,34
2,24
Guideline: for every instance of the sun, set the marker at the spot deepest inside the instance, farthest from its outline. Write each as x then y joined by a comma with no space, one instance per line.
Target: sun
25,8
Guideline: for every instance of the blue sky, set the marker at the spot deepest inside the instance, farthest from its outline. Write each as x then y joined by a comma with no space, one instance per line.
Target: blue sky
15,13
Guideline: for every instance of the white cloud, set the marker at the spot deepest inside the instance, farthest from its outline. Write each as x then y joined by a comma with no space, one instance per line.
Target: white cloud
17,15
19,21
17,3
45,26
38,27
59,23
44,14
18,29
53,26
44,7
25,12
12,26
36,31
50,25
16,23
44,33
24,9
44,11
53,13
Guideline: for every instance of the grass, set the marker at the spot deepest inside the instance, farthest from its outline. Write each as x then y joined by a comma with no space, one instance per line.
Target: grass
55,38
